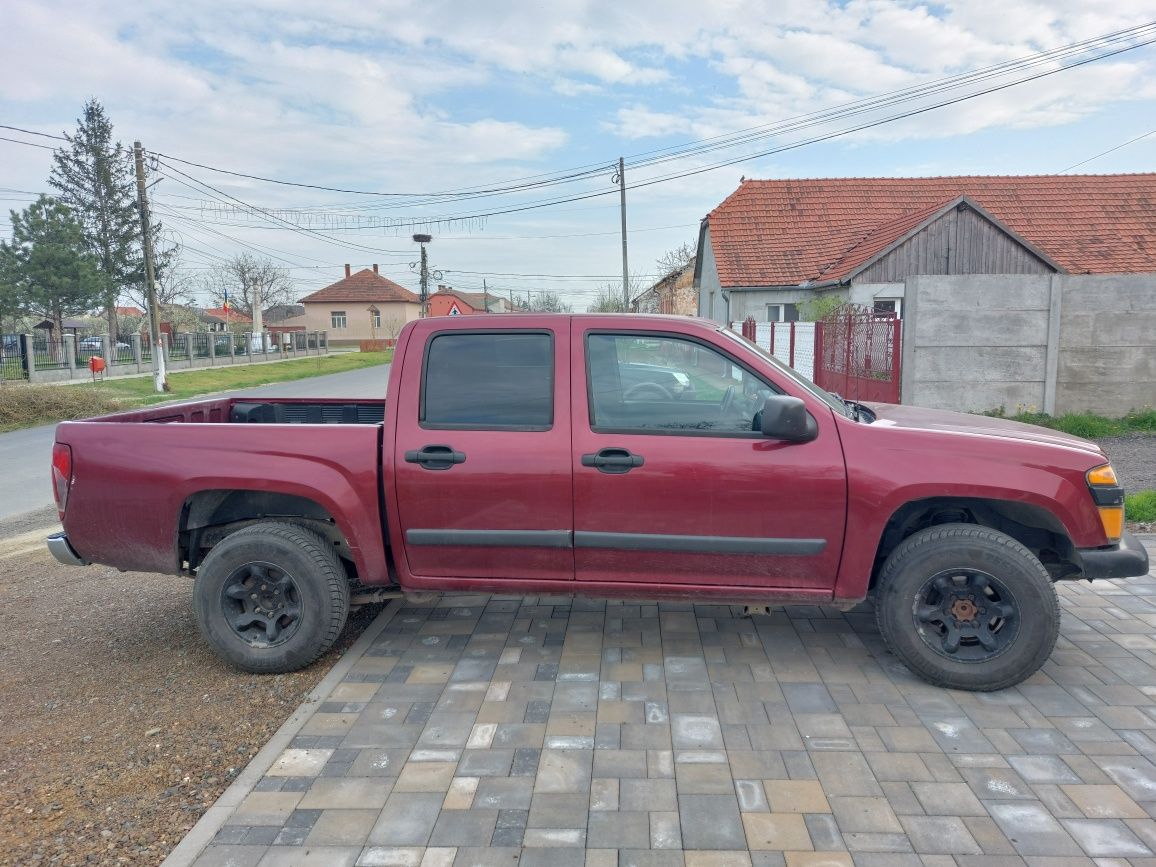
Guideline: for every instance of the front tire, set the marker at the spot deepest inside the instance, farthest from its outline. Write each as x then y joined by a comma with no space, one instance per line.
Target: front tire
271,598
967,607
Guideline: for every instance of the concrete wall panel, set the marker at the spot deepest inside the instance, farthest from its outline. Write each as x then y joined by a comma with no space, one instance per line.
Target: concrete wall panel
987,327
978,396
985,292
963,364
1012,341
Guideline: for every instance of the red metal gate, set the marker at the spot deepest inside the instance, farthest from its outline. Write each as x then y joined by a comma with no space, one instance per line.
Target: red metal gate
857,354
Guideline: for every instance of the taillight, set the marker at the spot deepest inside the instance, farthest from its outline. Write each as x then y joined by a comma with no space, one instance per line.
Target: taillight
61,475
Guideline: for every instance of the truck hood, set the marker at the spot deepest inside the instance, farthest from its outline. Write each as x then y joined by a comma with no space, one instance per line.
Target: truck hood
920,418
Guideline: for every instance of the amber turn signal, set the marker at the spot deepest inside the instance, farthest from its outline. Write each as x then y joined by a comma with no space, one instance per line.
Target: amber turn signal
1102,475
1112,517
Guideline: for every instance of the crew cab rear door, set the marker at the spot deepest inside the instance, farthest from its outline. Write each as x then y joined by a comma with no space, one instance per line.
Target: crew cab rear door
671,484
482,451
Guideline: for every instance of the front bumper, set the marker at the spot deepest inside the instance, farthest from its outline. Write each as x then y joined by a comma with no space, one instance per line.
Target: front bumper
63,551
1128,559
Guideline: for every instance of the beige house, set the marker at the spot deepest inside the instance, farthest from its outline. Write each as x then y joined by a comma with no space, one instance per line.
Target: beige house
361,306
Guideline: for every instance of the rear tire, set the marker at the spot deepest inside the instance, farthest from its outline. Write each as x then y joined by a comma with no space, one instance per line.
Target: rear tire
967,607
271,598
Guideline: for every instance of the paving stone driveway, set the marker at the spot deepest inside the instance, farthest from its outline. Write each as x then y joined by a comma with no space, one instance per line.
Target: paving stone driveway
550,731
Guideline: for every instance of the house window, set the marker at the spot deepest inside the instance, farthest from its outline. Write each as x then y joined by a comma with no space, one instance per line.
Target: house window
337,318
782,313
889,307
376,314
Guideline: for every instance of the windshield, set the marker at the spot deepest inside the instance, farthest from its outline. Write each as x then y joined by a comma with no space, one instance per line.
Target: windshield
831,400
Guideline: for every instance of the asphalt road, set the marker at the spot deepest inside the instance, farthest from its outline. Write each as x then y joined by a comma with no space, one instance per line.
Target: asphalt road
25,455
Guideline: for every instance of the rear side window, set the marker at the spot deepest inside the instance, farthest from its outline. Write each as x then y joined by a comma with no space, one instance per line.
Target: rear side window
489,381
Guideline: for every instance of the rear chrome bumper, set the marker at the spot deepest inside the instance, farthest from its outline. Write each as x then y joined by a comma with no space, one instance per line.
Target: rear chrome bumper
1127,559
63,551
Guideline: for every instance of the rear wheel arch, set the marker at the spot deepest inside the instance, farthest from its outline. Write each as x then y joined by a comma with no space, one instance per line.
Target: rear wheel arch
208,517
1034,527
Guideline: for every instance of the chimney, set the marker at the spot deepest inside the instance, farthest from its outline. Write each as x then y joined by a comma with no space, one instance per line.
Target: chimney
374,267
347,271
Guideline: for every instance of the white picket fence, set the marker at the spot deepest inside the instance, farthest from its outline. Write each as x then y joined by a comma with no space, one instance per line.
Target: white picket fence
793,343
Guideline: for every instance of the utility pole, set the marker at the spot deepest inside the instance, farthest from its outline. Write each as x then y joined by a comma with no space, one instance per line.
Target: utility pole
423,240
160,375
485,296
620,179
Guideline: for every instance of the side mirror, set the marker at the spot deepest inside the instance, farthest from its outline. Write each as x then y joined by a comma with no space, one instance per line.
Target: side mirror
786,418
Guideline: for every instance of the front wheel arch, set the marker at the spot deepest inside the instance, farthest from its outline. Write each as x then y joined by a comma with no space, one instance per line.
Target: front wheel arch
1034,527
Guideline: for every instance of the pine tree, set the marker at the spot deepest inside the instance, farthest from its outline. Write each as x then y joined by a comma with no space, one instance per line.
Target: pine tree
51,269
95,179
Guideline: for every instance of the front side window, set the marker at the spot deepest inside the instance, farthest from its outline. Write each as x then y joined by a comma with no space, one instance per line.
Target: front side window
489,381
337,318
654,383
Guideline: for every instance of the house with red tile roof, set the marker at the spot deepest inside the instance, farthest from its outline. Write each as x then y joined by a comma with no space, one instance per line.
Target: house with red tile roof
363,305
448,301
773,245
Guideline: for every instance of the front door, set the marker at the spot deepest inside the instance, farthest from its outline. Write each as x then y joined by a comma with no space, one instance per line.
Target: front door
482,455
672,485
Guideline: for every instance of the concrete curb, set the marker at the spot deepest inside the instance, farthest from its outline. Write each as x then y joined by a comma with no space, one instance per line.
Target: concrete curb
202,833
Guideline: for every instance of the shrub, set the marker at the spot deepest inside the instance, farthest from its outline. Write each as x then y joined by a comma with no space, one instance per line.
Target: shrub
1140,506
27,405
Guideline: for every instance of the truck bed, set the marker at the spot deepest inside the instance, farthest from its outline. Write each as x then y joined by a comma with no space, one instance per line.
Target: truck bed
138,473
285,410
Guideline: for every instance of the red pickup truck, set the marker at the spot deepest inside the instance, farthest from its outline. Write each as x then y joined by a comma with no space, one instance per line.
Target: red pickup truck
629,456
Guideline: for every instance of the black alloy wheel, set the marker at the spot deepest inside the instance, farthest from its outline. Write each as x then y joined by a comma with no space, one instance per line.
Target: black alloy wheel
261,604
966,614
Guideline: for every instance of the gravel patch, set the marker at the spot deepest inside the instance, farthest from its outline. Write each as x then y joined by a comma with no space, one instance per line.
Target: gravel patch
1134,458
118,726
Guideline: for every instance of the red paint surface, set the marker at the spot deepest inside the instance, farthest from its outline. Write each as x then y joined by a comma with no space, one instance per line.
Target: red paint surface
133,472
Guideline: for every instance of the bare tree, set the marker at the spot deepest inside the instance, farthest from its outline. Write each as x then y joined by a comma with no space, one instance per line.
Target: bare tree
252,284
175,285
673,260
611,300
391,327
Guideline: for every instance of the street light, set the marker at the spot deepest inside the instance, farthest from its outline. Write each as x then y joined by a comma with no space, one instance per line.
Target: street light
423,240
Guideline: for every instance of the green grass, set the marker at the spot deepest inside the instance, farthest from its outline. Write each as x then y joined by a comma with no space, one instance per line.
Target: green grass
24,406
1140,506
1086,424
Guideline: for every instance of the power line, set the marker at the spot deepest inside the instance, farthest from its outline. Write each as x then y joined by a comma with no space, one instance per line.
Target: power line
728,140
27,143
33,132
1108,151
534,205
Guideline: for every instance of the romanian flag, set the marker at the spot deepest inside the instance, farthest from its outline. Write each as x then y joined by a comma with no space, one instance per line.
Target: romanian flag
225,306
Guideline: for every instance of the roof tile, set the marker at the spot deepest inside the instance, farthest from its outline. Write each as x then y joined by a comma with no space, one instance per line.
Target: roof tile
787,232
365,285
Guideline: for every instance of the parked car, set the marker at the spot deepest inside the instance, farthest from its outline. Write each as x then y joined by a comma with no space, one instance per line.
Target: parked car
505,461
96,344
640,381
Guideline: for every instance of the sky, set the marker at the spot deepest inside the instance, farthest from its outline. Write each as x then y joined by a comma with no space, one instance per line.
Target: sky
496,128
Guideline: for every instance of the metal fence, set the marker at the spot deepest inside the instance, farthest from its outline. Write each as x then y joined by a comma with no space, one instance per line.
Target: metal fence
178,348
13,365
199,344
121,350
50,353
